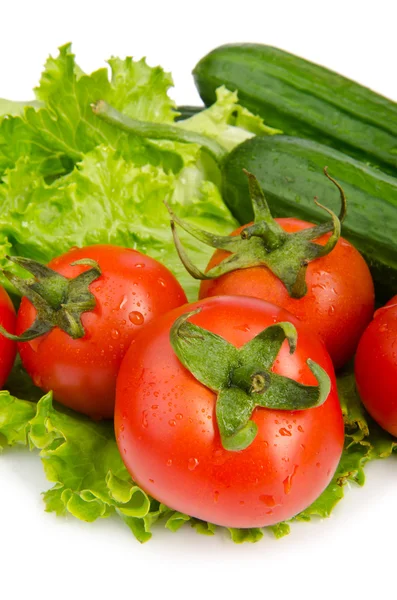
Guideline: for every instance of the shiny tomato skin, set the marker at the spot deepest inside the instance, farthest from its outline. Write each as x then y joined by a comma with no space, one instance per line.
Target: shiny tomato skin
169,440
339,302
376,367
8,348
132,290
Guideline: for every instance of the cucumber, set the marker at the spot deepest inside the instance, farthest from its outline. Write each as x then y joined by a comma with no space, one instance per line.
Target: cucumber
304,100
290,172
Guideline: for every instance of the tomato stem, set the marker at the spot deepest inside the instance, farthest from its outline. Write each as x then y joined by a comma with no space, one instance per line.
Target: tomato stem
59,302
265,243
243,378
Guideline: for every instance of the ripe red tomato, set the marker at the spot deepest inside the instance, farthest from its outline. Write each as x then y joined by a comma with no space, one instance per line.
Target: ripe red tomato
376,367
339,302
168,436
7,347
132,290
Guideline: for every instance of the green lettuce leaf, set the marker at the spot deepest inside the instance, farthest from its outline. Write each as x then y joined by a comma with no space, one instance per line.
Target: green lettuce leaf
107,199
81,458
226,121
56,135
14,108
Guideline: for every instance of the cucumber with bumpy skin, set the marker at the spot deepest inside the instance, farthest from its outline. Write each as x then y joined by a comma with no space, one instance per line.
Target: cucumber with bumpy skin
290,172
304,100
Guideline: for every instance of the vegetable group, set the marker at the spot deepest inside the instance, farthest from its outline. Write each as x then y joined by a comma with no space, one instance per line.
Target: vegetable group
169,424
376,367
227,410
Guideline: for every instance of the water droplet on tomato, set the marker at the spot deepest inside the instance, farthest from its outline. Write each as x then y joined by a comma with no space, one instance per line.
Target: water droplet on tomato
35,344
331,310
169,462
300,428
268,500
244,327
288,481
155,406
179,416
144,418
192,463
161,282
216,496
136,317
318,465
140,266
171,423
123,302
284,431
37,380
114,334
151,480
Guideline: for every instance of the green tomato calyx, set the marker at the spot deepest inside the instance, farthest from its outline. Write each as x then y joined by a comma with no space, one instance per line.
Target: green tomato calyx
243,378
265,243
59,301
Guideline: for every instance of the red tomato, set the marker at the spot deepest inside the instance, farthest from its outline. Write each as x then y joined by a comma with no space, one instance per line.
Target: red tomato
132,289
7,347
339,302
376,367
168,436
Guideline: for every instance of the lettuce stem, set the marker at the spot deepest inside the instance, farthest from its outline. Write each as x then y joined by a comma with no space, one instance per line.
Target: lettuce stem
157,130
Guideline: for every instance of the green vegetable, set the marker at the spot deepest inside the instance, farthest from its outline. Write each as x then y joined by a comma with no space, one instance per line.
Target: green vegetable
289,171
16,107
304,100
81,459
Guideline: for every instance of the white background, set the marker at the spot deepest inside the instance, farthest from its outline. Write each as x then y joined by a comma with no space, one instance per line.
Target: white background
42,556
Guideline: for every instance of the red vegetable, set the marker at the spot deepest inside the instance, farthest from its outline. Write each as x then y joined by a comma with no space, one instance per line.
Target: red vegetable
325,282
7,347
186,433
114,299
376,367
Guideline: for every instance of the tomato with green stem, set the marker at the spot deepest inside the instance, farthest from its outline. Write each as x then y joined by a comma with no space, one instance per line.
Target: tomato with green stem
227,410
325,283
7,347
78,316
376,367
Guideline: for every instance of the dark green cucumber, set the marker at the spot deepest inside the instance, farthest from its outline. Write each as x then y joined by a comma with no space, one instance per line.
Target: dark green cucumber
304,100
290,171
